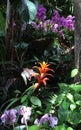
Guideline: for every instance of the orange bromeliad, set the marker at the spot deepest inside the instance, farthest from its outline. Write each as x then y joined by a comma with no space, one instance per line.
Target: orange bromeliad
43,73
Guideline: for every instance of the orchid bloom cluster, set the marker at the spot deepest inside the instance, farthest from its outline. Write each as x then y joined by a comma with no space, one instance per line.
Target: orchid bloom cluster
56,24
53,121
10,116
41,76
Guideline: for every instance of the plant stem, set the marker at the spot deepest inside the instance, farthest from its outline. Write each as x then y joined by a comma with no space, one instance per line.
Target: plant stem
26,125
13,126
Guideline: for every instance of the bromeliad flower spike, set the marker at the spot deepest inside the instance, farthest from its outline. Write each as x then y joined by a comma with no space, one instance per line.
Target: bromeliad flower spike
42,77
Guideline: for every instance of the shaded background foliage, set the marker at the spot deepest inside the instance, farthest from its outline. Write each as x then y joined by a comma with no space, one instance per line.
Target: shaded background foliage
65,8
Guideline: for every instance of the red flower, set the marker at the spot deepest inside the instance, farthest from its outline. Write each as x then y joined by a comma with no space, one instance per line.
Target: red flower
43,73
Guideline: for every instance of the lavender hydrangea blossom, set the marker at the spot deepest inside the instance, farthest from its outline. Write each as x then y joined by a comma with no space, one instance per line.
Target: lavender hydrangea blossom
53,121
25,112
9,117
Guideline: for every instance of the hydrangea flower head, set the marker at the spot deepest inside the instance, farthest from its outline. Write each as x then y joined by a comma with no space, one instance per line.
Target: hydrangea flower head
53,121
9,117
25,112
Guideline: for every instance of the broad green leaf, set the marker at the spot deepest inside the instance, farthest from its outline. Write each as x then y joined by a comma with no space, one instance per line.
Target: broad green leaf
69,128
65,105
78,103
74,72
60,98
72,106
36,101
63,86
24,98
21,127
70,97
63,114
60,127
75,87
74,117
30,9
34,127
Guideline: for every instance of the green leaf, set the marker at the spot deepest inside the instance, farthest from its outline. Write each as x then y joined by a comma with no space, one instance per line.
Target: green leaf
35,101
70,97
60,127
72,106
65,105
60,98
32,10
74,117
24,98
78,103
63,86
22,45
74,72
2,24
34,127
69,128
29,11
39,112
63,114
75,87
22,127
17,92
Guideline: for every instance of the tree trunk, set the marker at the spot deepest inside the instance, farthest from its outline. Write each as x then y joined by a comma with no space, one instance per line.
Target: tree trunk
9,32
77,12
12,32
